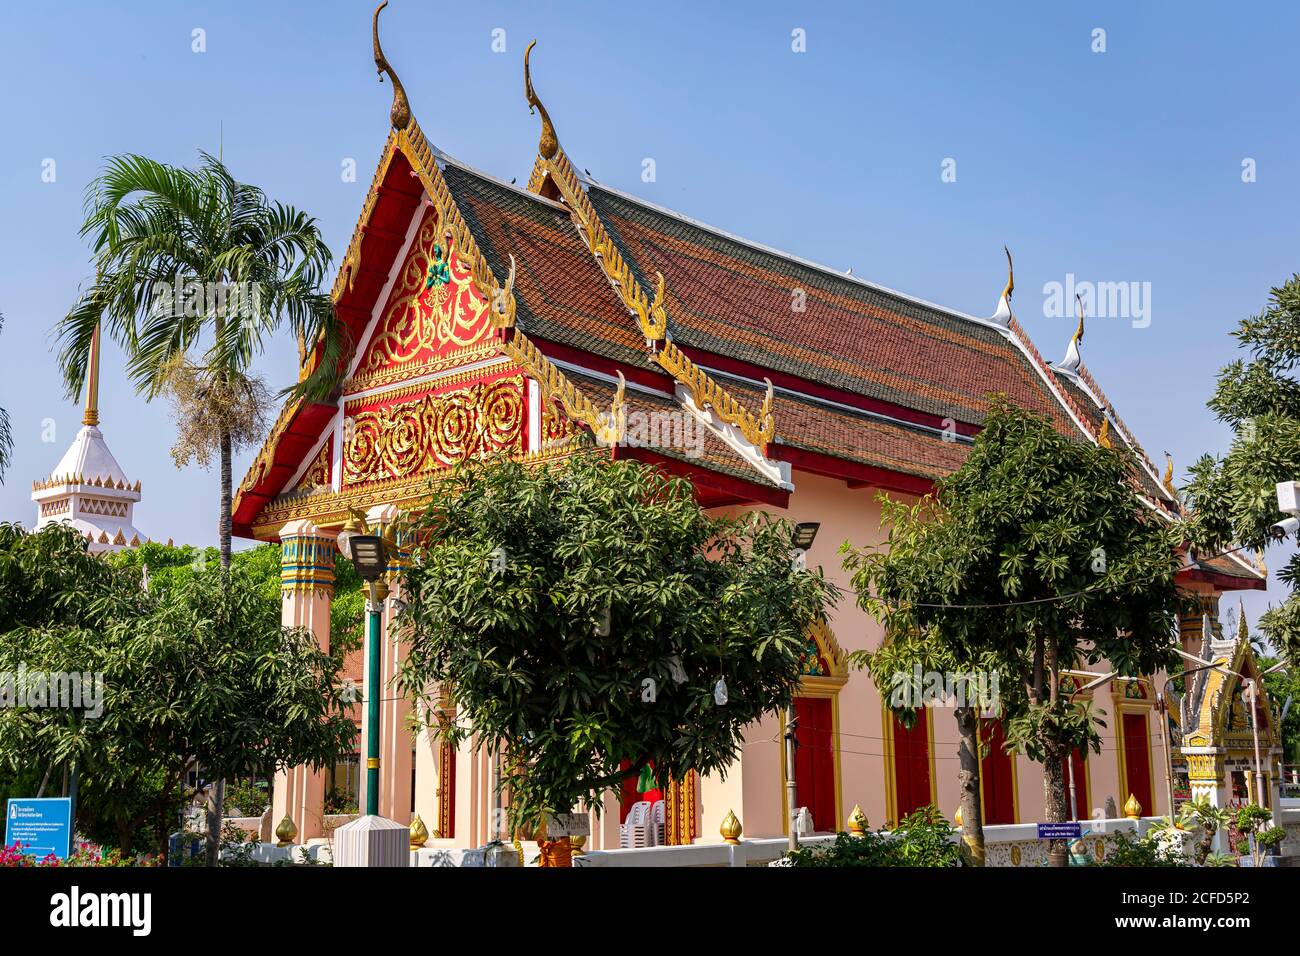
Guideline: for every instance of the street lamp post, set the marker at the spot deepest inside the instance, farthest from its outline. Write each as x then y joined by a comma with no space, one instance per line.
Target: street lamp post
802,539
370,558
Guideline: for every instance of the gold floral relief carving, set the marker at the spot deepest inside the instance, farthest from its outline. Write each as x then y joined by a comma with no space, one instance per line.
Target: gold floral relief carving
433,304
317,474
408,438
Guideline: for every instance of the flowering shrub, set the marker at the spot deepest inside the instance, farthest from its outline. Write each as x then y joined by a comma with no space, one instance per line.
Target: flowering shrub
83,854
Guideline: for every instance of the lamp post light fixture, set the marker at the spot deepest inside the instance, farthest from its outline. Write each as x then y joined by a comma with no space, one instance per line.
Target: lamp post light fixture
801,539
804,534
369,555
1288,500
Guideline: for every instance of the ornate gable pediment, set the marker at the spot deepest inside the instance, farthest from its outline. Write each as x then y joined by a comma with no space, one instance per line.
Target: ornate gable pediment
435,317
412,431
823,657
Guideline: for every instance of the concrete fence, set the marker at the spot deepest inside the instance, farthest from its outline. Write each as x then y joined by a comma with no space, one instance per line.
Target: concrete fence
1006,846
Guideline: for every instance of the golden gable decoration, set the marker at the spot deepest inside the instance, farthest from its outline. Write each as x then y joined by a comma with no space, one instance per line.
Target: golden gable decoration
425,315
442,430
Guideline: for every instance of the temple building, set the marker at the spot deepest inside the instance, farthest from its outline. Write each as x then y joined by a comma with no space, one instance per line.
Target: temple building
1227,736
489,317
87,488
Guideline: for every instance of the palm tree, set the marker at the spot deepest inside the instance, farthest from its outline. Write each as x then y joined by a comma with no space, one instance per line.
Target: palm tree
191,260
6,434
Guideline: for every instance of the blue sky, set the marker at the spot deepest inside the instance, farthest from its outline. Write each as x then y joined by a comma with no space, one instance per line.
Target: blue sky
1122,166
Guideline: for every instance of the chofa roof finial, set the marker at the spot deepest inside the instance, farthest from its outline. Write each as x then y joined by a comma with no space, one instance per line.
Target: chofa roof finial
549,144
1073,359
1003,314
401,111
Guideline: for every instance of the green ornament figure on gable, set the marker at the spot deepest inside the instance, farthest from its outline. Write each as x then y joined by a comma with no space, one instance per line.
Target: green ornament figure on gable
439,269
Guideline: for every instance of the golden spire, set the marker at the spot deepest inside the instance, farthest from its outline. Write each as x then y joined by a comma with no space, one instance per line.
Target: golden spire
92,382
1103,436
549,144
1011,277
1078,333
1243,628
400,115
1168,480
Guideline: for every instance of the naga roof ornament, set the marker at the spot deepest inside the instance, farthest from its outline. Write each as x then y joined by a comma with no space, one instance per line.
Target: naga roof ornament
1103,436
400,114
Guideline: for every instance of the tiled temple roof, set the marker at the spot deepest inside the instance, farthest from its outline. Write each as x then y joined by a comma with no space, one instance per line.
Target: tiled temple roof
561,293
733,298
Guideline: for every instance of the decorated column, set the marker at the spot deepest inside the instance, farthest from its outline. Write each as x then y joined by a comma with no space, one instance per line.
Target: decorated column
396,753
306,590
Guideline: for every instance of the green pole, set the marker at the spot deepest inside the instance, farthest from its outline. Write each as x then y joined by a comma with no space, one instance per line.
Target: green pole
372,706
72,805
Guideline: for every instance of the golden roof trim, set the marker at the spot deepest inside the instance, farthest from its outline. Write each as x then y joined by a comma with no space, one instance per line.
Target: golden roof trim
345,278
707,393
395,374
327,507
650,312
554,385
415,147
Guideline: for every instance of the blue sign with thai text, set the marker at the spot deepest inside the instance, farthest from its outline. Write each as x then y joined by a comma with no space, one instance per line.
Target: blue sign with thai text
43,825
1059,831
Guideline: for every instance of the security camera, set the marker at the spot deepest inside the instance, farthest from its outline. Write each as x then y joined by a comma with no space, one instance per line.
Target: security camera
1287,526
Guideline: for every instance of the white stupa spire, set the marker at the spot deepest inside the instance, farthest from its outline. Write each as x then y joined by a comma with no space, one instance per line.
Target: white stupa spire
88,488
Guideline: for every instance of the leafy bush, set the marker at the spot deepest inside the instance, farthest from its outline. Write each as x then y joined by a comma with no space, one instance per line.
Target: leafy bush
338,800
250,798
1126,850
922,839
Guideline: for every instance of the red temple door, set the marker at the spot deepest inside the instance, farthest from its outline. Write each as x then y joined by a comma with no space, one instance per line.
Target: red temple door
814,760
911,765
997,780
1137,762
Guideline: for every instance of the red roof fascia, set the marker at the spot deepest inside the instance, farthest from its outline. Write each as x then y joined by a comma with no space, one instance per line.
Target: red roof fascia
659,381
382,236
855,473
1224,582
296,442
756,373
712,488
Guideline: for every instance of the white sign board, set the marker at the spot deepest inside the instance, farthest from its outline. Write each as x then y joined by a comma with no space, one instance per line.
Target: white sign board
567,824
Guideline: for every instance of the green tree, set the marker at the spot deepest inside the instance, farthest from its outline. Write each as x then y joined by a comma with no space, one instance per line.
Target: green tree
594,620
198,672
1036,555
169,566
909,650
1233,498
192,259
